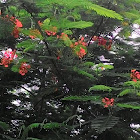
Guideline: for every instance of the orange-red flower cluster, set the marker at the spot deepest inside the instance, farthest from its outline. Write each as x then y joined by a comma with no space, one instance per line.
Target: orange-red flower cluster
24,68
52,31
103,42
81,53
108,102
79,42
17,23
8,56
135,75
40,23
63,36
5,61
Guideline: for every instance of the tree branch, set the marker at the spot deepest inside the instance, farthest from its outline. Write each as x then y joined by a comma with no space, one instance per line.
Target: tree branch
58,73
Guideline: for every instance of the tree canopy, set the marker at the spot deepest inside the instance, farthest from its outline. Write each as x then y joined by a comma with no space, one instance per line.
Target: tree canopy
69,70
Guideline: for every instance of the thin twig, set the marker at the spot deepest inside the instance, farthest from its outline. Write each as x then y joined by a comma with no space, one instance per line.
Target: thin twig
97,29
27,90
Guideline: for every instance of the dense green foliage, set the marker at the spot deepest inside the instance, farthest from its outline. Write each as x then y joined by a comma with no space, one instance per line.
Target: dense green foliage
66,83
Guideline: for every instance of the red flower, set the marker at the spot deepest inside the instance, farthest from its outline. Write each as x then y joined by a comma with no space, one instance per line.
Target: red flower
81,53
40,23
134,80
18,23
52,31
5,61
32,37
15,21
103,42
132,71
108,47
82,38
24,68
76,43
138,76
15,32
63,36
58,57
108,102
135,75
49,33
94,38
79,42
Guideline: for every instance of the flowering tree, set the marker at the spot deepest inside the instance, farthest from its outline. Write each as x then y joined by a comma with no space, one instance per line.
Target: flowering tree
72,57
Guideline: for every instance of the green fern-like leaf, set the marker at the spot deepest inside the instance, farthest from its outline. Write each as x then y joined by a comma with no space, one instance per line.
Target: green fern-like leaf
6,29
105,66
89,64
67,41
138,93
68,32
23,13
100,88
29,138
32,32
108,66
137,1
137,21
131,15
82,98
67,24
6,137
86,4
82,72
126,91
51,125
15,68
27,44
128,105
103,11
24,44
133,84
78,24
4,125
102,123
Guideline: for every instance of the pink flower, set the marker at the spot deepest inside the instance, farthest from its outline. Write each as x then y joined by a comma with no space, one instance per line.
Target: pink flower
8,56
